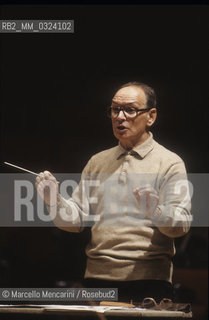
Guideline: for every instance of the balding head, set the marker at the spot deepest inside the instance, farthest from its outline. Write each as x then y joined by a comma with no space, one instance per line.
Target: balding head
148,91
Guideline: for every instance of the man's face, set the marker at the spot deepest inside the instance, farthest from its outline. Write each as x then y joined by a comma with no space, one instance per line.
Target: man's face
131,131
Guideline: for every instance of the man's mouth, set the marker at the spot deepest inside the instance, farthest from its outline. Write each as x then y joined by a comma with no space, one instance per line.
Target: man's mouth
121,128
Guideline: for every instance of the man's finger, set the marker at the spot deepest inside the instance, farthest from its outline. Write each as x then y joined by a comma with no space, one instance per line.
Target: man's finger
148,213
40,186
41,175
47,173
137,194
38,179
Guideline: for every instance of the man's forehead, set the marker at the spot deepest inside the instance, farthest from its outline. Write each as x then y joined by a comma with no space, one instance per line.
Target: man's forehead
130,94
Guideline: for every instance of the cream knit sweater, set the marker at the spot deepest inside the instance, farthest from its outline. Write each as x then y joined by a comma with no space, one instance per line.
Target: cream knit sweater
125,243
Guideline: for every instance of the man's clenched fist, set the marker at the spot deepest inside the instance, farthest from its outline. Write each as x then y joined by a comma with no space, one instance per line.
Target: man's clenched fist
47,187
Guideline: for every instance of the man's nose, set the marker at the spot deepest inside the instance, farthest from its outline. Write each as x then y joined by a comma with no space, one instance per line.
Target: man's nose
121,115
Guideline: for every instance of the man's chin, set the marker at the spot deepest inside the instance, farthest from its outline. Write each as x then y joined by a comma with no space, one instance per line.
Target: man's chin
122,136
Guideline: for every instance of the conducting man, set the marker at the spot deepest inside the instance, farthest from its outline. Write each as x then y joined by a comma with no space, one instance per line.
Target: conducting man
135,198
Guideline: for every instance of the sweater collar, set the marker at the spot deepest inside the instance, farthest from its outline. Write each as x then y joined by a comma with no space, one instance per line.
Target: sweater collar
141,150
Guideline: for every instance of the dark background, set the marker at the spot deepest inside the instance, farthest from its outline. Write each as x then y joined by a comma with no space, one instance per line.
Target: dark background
55,89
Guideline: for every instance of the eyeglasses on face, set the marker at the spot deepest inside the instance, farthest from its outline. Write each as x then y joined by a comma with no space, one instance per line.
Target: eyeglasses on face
129,112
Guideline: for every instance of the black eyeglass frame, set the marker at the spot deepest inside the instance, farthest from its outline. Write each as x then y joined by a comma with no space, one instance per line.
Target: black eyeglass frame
109,110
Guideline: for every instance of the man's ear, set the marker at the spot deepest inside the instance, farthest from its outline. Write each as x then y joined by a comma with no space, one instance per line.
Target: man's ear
152,117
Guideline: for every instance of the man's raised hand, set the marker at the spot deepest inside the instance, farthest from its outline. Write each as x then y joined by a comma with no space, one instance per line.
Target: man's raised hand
47,187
